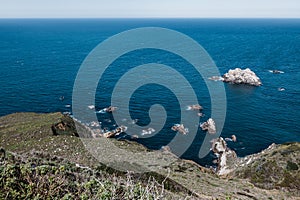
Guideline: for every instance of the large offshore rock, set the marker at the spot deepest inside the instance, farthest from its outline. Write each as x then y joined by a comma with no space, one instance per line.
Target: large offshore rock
240,76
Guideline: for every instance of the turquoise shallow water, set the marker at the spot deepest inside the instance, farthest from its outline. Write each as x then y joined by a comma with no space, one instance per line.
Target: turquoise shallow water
39,60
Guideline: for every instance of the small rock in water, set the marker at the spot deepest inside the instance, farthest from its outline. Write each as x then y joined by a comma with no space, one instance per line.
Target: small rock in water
134,137
180,128
61,98
216,78
111,109
195,107
209,126
275,71
232,139
91,107
281,89
200,114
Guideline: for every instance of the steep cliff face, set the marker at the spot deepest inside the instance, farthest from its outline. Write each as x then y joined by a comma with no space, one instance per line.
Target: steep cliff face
30,137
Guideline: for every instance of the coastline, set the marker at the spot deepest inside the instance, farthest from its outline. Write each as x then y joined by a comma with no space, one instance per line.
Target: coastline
29,133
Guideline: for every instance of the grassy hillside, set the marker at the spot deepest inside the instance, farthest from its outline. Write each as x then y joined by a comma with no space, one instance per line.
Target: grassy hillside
51,164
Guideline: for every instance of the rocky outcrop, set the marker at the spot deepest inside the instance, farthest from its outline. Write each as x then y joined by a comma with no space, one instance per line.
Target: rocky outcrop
227,158
209,126
240,76
66,126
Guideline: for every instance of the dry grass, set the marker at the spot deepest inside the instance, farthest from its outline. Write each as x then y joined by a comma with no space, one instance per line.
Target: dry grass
37,179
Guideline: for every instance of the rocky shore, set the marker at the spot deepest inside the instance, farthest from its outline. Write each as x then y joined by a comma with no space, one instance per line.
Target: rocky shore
48,145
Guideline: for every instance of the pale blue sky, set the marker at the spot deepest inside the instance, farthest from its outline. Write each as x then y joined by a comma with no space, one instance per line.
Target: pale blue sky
149,8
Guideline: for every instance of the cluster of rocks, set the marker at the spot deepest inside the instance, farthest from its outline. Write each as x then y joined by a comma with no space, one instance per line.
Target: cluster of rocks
240,76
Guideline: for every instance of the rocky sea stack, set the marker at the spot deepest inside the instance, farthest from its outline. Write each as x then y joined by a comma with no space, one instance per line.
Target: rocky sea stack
240,76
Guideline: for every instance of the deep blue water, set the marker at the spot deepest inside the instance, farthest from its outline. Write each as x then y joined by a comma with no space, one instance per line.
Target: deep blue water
39,60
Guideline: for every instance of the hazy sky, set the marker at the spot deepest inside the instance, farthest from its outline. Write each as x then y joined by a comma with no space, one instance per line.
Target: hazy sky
149,8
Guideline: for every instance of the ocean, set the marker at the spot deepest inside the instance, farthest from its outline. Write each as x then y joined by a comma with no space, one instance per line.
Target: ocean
40,58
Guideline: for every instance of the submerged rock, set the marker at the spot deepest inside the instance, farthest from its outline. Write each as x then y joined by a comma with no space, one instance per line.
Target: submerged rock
240,76
209,126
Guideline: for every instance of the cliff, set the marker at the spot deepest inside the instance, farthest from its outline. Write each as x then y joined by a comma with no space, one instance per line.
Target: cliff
45,147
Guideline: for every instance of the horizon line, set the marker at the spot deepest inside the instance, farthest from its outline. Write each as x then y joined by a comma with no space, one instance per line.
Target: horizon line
149,17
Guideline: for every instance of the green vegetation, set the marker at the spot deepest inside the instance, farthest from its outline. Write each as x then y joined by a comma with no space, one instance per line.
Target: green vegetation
37,179
275,168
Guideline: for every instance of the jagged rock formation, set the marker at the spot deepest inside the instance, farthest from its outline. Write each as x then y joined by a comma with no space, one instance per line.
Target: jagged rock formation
209,126
226,157
239,76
